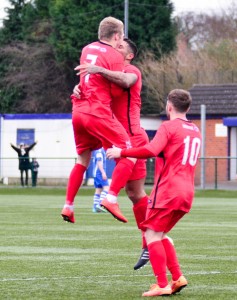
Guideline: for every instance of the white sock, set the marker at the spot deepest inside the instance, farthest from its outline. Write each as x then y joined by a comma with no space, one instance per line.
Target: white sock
71,207
103,195
96,199
111,198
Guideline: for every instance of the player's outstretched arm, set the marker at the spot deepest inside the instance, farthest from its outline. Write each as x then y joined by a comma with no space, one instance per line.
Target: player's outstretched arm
139,152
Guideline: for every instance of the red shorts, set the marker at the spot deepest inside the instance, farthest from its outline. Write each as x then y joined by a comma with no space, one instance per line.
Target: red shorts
161,219
138,140
91,132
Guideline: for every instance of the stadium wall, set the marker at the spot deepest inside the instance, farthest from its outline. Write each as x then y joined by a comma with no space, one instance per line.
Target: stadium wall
55,150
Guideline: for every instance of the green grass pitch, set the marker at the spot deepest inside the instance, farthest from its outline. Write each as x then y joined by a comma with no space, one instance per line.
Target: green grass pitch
42,257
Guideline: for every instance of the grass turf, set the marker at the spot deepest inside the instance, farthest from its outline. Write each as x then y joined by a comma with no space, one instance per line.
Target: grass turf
42,257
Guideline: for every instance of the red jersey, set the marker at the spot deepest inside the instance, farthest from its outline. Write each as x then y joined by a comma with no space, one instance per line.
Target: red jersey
95,90
126,103
179,142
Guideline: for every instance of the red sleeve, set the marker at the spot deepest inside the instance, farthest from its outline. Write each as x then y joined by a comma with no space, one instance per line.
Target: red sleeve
140,152
152,149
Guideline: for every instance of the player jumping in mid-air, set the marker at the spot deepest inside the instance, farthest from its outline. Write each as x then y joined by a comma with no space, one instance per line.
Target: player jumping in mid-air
93,121
126,106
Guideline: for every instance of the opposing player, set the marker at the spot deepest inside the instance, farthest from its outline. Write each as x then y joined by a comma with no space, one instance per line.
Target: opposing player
101,182
93,121
172,195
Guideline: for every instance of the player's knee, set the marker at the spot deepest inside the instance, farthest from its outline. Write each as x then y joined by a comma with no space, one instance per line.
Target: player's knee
133,194
130,192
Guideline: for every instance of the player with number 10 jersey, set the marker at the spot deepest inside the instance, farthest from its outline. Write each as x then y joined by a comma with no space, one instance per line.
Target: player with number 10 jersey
180,141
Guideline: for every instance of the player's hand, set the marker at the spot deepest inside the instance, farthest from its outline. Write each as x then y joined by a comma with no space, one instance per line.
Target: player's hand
114,152
87,68
77,92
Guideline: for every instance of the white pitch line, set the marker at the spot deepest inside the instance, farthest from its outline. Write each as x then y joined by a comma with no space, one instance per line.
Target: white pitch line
108,276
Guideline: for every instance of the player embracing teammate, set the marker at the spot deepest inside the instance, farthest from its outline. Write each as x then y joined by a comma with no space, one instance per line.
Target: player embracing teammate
177,141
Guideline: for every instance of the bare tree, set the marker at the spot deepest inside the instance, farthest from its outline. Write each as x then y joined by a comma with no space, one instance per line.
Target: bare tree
200,28
34,71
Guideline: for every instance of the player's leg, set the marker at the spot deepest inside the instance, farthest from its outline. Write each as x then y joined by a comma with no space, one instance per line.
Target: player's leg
111,132
161,250
96,197
103,195
136,193
158,262
178,280
74,183
104,192
120,176
84,143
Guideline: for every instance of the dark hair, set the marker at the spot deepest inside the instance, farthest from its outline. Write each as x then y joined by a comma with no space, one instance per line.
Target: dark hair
132,46
181,100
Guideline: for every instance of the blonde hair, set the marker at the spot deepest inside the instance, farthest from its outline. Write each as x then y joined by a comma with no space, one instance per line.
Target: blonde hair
108,26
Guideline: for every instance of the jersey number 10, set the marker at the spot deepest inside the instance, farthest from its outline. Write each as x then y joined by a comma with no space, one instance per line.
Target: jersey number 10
191,156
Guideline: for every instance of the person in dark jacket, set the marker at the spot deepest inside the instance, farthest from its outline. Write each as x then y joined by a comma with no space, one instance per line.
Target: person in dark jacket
24,161
34,171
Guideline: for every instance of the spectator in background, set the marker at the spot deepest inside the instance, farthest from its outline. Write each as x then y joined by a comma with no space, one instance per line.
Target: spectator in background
34,171
101,182
24,160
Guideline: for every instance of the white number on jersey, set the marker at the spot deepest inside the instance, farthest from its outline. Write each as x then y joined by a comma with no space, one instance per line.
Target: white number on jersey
91,59
191,156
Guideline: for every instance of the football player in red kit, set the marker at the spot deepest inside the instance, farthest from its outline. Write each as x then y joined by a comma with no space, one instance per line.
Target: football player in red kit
179,141
126,106
94,124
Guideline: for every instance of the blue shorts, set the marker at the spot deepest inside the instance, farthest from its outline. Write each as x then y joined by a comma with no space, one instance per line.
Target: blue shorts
99,183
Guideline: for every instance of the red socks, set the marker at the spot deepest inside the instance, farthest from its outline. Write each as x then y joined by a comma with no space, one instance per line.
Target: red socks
172,260
74,182
139,210
158,261
144,244
163,253
120,176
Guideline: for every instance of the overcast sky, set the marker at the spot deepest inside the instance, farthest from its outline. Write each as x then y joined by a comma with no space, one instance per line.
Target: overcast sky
201,5
179,5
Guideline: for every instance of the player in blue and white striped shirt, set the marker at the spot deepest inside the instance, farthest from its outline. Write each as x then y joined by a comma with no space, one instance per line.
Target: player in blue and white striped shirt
101,183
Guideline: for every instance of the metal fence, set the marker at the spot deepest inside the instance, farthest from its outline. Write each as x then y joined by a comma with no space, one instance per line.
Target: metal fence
214,172
211,172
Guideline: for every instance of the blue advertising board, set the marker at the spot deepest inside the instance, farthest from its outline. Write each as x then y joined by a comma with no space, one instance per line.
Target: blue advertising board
25,136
